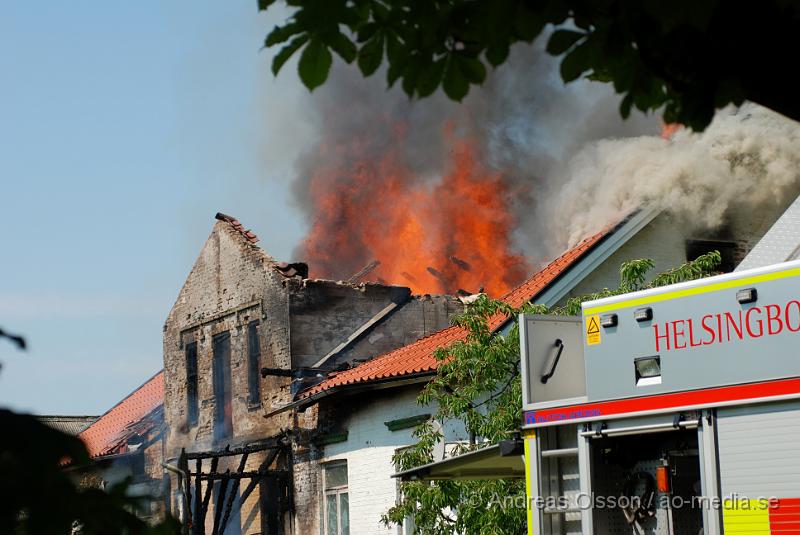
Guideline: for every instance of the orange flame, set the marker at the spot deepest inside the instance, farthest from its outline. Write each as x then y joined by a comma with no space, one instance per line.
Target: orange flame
454,233
668,129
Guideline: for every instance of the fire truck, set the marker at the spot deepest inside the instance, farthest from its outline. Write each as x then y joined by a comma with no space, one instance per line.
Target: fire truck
673,410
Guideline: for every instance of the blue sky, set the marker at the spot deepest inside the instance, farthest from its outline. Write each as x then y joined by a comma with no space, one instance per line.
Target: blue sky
124,126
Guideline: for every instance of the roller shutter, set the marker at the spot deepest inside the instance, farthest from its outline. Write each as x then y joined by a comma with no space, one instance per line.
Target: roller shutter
759,457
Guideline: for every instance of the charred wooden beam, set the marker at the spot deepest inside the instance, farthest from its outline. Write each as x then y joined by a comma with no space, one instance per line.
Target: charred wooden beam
198,527
276,372
262,469
183,466
363,272
408,276
270,443
207,495
229,502
462,264
358,333
223,490
436,273
243,475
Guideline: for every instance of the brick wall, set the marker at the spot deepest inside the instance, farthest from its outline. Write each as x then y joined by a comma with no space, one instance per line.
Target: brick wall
232,283
419,316
324,313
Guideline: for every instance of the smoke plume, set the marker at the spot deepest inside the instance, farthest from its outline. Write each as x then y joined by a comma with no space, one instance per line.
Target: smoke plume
447,196
748,158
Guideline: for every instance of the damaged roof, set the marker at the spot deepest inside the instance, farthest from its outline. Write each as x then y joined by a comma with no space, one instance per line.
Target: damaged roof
418,357
248,234
123,420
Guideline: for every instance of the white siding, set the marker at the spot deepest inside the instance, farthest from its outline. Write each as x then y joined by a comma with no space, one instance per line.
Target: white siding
758,450
369,449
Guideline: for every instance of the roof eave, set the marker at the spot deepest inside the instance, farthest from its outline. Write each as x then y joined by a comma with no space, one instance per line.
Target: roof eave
355,388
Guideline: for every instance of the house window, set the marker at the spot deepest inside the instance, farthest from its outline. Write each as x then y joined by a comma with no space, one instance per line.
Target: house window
191,384
337,508
223,415
727,252
253,364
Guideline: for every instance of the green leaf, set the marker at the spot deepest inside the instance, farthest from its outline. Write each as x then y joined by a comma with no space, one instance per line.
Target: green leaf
280,34
497,53
430,77
371,54
366,31
563,40
380,12
286,52
410,75
576,62
625,106
527,23
395,71
473,69
343,46
455,84
315,64
394,48
264,4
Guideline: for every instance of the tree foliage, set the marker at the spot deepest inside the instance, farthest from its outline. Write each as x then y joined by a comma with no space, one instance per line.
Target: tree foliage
687,57
40,493
478,384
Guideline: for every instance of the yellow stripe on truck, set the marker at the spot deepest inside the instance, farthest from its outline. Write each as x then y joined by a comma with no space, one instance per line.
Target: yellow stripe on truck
749,517
530,446
724,285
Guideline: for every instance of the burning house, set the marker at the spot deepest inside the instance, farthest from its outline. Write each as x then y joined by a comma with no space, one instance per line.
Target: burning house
244,335
367,413
286,397
283,398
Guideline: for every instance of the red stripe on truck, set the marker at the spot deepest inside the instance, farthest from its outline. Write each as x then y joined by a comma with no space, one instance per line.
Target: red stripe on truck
678,400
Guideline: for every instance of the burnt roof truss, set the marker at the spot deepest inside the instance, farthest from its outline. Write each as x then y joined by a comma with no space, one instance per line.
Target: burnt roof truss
203,477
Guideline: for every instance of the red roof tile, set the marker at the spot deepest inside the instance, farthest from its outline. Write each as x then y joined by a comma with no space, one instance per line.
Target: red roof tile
248,234
103,437
417,357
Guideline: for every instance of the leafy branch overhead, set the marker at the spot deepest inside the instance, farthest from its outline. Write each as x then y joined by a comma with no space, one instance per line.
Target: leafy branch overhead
686,57
478,385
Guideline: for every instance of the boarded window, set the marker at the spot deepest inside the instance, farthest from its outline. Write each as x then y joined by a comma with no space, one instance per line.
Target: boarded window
191,384
253,364
223,414
337,499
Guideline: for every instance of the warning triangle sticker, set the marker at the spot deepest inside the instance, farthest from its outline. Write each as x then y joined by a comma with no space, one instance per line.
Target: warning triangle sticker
592,330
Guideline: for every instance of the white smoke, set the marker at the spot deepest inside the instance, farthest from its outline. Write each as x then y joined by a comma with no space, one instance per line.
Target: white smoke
748,158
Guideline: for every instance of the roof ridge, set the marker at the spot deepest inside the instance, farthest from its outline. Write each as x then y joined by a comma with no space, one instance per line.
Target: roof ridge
248,234
102,435
135,390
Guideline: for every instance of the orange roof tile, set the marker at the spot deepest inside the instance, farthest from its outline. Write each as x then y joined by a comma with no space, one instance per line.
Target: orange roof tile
103,437
248,234
418,357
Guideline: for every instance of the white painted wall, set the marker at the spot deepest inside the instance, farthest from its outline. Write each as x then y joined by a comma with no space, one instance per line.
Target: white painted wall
369,449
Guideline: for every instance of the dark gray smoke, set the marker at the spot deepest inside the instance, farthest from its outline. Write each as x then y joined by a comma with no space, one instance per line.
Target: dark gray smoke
524,120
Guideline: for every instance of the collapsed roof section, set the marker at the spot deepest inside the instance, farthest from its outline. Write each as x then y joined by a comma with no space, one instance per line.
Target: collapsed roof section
139,412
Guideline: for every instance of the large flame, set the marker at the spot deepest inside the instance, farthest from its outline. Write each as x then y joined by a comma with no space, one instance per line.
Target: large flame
435,236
